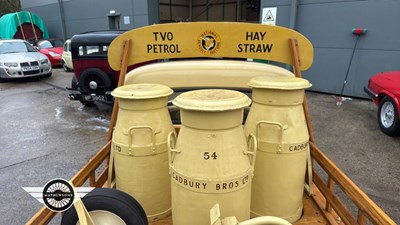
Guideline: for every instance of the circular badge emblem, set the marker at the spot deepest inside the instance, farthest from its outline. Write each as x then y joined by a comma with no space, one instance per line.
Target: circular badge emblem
58,195
209,42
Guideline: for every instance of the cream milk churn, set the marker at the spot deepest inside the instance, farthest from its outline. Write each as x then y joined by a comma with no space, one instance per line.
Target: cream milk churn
210,162
277,120
139,146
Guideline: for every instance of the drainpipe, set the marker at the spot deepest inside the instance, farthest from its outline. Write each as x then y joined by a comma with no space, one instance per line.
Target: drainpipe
190,11
63,29
293,14
292,22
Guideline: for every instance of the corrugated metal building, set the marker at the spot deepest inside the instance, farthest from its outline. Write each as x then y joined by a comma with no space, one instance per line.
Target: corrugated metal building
327,23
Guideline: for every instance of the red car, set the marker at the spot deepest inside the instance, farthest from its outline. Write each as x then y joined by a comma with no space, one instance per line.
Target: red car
52,48
384,89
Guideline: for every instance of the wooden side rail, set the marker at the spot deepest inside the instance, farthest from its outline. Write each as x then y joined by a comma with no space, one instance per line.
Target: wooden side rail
87,173
331,205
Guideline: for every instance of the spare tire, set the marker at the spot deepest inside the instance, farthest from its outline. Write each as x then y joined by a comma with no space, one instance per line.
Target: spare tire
109,206
95,79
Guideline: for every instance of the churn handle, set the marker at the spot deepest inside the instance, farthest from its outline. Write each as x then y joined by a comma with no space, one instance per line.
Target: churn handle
171,142
281,127
251,153
153,135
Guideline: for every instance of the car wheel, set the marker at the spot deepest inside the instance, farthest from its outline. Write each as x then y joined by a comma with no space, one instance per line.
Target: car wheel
65,67
109,206
94,79
388,116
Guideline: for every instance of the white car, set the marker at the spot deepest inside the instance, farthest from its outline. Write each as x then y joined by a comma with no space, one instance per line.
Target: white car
18,59
66,57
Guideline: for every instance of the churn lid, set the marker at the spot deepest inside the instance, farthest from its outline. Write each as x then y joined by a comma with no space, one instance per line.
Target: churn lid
279,82
141,91
212,100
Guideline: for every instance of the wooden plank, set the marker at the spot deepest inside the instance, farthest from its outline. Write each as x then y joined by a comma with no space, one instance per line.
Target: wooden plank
361,218
350,189
330,188
334,201
80,178
296,62
320,200
124,58
43,216
211,39
102,179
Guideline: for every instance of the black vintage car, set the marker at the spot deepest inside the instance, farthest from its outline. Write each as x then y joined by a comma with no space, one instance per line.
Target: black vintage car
94,79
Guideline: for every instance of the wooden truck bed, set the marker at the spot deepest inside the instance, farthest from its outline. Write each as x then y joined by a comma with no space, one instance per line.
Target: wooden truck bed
311,215
286,46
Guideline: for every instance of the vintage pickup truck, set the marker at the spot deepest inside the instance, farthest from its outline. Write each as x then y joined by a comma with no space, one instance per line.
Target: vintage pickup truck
225,45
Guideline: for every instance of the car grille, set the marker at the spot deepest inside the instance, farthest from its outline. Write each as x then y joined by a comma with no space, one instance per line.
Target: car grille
31,72
34,63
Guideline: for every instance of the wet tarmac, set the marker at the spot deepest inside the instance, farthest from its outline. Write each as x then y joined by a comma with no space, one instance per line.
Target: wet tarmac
43,136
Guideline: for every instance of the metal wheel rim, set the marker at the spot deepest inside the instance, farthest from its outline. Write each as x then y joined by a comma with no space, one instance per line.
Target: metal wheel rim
387,114
93,85
102,217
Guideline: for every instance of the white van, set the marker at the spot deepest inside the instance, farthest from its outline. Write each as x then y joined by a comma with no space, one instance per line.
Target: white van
66,57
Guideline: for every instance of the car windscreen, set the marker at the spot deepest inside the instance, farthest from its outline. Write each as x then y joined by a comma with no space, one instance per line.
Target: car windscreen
57,43
15,47
45,44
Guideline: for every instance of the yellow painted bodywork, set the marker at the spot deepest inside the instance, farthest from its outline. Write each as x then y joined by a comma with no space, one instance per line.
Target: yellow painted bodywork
210,39
203,73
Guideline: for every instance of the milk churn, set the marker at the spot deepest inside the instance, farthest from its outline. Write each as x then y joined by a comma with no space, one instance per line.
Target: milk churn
139,146
209,161
277,120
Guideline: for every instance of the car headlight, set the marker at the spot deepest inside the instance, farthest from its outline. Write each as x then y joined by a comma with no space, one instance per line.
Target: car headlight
54,54
44,61
10,64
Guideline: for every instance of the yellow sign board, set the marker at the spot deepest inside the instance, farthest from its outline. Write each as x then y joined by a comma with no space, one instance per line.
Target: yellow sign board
211,39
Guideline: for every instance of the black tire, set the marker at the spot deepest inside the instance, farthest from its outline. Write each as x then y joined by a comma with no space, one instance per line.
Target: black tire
112,201
99,77
388,116
65,67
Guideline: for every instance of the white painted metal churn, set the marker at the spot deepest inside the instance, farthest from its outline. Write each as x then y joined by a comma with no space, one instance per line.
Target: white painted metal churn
139,146
277,120
210,162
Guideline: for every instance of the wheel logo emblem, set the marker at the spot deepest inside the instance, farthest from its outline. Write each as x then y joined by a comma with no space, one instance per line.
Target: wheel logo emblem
58,195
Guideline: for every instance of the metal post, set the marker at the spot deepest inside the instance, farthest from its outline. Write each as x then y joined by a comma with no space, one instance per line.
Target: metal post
20,26
293,14
33,28
62,15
